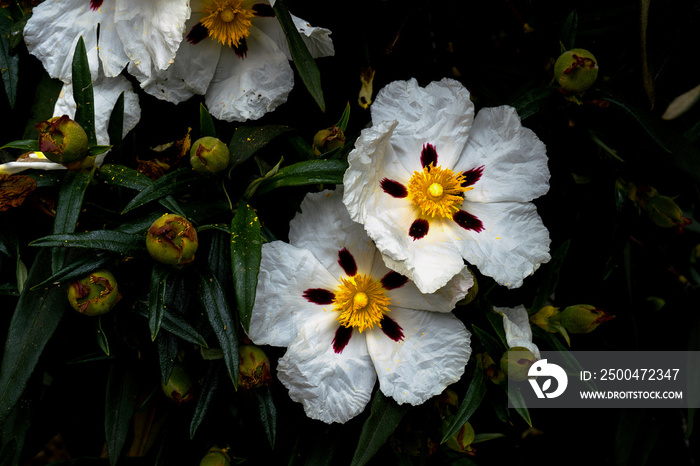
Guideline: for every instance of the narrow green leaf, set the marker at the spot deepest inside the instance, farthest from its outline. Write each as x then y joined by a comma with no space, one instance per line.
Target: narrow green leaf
102,337
344,118
268,413
167,353
517,400
172,183
214,302
24,144
156,298
115,129
568,31
120,404
70,203
21,274
46,178
551,277
81,267
472,400
9,63
304,62
125,177
97,150
306,173
247,140
206,123
209,386
36,316
246,245
46,94
107,240
180,328
385,415
494,348
626,433
82,92
496,321
534,101
479,438
7,454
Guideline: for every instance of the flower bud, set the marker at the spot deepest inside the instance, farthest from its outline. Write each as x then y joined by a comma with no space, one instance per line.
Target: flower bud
583,318
209,155
664,212
95,294
328,139
253,367
491,370
516,363
576,70
461,441
62,140
179,386
447,403
172,240
216,457
549,318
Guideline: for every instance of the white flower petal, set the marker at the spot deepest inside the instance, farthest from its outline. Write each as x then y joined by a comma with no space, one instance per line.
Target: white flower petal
440,114
246,89
514,159
516,324
324,228
280,308
316,39
332,387
443,300
432,355
33,160
512,245
151,31
110,46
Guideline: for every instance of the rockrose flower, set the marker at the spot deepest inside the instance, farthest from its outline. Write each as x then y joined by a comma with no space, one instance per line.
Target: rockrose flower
236,55
516,324
348,320
433,186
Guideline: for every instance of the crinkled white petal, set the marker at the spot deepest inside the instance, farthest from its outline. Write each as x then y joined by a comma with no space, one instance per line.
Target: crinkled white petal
316,39
516,324
151,31
324,228
110,46
440,114
280,308
332,387
106,92
512,245
34,160
52,33
247,88
432,355
513,157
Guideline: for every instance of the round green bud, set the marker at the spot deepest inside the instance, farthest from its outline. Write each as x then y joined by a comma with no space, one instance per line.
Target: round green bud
179,387
94,294
576,70
583,318
253,367
664,212
209,155
216,457
328,139
516,363
172,240
62,140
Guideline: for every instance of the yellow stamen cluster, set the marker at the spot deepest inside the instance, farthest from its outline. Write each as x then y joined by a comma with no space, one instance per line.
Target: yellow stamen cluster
437,191
361,302
227,21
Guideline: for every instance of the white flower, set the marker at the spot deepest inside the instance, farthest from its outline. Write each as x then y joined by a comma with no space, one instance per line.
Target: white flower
347,320
237,56
433,185
516,324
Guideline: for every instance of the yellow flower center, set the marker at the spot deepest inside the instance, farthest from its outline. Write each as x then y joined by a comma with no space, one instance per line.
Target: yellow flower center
437,191
227,21
361,302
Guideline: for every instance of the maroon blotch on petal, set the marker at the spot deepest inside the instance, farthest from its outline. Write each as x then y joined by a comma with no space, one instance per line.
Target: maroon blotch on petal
391,329
419,228
95,4
468,221
472,176
241,49
428,155
319,296
347,262
393,280
342,338
197,33
393,188
263,9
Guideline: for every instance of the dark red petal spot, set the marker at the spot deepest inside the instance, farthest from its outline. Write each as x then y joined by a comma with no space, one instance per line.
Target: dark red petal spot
263,9
419,228
393,280
197,33
241,49
319,296
472,176
342,338
95,4
468,221
391,329
347,262
428,155
393,188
